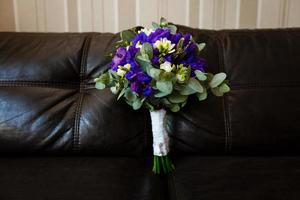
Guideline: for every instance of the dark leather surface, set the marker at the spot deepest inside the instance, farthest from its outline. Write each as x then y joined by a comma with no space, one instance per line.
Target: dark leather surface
235,178
79,178
49,104
261,115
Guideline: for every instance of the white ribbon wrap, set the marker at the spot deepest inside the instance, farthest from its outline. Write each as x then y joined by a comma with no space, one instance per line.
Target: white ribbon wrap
159,132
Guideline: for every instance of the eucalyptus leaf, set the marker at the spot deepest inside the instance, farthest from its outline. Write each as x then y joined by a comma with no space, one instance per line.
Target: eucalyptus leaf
147,49
114,90
183,104
186,90
149,106
137,104
174,107
121,93
154,73
163,22
165,101
201,46
155,25
202,96
161,94
100,85
200,75
177,98
224,88
129,95
217,80
216,91
173,28
195,85
127,35
164,86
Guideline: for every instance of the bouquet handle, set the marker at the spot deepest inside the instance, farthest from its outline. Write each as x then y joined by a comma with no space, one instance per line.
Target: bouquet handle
161,160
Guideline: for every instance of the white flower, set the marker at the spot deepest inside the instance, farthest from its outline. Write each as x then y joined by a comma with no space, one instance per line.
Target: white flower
164,45
146,31
138,45
122,70
167,66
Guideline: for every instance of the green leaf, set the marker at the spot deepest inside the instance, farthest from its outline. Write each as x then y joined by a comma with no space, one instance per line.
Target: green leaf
121,93
201,46
149,106
127,35
104,78
161,94
183,104
174,107
177,98
155,25
137,104
216,91
154,73
165,101
164,86
195,85
163,22
202,96
114,90
217,80
145,63
186,90
200,75
129,95
173,28
224,88
147,49
100,85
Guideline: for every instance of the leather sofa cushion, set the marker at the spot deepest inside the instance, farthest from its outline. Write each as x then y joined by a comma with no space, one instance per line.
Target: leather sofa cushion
260,116
49,104
79,178
235,178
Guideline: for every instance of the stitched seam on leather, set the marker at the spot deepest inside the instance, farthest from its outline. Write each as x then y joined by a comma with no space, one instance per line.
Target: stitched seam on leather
78,107
221,56
15,83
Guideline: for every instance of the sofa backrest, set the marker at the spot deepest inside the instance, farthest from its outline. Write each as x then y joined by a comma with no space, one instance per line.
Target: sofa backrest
48,103
261,114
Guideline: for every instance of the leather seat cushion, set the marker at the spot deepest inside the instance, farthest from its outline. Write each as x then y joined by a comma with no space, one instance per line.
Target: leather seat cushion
82,178
236,178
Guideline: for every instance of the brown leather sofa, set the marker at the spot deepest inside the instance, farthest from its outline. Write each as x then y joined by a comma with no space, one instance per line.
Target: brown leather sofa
62,139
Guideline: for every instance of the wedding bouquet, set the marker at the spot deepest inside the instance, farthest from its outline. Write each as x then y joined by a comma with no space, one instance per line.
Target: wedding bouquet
159,69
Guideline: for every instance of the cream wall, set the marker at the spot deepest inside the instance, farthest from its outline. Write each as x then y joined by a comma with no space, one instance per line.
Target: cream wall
116,15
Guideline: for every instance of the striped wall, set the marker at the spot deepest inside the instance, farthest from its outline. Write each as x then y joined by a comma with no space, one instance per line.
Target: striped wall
116,15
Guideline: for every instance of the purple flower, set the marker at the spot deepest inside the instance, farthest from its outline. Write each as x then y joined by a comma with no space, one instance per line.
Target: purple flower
155,60
134,86
168,58
175,38
141,37
158,34
143,77
147,91
119,58
190,48
187,38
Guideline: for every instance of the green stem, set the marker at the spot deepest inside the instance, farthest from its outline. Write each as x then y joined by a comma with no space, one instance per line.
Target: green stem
162,164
